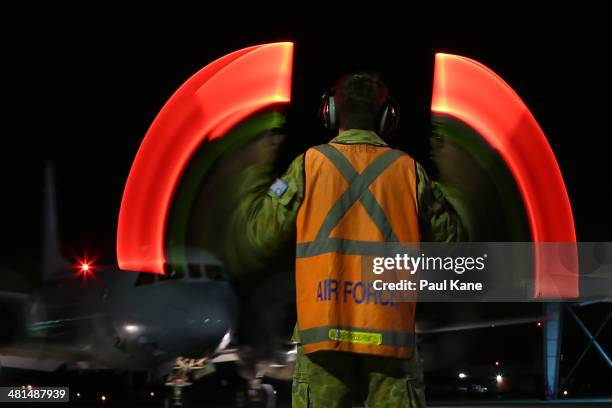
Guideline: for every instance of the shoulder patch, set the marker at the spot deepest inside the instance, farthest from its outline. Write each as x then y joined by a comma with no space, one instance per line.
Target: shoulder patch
279,187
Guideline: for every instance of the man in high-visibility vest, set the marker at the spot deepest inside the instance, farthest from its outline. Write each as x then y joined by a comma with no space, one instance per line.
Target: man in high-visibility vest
341,201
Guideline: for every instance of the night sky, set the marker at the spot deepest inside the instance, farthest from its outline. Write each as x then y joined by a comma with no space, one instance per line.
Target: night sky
84,86
81,88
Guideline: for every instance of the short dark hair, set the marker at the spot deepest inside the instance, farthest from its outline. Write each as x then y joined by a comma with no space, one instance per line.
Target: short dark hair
359,98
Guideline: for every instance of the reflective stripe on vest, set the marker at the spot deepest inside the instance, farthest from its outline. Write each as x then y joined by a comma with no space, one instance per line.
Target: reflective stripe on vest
357,335
358,191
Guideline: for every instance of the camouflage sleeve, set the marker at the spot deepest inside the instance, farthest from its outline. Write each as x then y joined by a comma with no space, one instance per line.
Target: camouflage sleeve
438,219
274,207
267,213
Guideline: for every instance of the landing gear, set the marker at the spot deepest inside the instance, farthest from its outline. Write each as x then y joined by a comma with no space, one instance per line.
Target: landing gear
255,394
184,372
268,396
178,397
261,395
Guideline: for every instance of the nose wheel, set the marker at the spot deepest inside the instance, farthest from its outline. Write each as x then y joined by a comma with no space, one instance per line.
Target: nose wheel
184,372
257,395
177,397
265,396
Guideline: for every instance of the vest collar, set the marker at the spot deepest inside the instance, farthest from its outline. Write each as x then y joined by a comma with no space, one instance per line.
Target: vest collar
359,136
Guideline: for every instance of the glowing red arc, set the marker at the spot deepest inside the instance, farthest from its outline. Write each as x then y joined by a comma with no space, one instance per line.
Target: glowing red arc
467,91
205,107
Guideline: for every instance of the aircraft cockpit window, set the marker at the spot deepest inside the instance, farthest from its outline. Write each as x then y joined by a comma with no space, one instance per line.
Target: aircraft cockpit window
195,271
144,279
215,272
172,274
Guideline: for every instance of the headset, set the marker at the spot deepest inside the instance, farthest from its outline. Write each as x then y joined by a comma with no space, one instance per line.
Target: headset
389,114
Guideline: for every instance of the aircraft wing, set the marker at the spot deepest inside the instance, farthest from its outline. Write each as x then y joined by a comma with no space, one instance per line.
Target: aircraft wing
41,356
479,324
19,349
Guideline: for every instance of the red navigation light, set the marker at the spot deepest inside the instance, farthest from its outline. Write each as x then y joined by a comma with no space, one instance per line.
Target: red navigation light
85,267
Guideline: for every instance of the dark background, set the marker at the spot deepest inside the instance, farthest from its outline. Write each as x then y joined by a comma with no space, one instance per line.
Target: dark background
82,86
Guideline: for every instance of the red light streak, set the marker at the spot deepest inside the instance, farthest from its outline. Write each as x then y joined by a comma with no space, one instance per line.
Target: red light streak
473,94
206,106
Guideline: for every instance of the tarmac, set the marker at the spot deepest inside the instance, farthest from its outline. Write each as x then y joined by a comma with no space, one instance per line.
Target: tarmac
538,404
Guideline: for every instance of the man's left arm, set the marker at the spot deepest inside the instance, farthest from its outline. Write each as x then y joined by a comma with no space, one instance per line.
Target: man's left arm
439,221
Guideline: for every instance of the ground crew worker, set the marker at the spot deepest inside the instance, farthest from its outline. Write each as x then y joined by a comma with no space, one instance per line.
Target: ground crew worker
340,201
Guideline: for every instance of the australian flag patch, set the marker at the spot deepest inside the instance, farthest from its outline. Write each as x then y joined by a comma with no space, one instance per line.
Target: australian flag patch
279,187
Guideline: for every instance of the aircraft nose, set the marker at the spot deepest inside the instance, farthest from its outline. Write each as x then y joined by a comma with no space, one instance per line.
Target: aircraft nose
179,319
207,324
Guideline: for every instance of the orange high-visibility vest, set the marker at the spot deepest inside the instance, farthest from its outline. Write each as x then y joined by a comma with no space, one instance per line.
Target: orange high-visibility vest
356,198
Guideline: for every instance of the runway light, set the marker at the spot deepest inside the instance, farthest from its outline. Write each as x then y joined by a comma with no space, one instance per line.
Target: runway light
152,394
565,393
78,394
497,363
103,398
539,324
499,378
462,375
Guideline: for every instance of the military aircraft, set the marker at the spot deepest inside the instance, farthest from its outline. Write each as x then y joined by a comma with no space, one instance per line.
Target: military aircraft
86,316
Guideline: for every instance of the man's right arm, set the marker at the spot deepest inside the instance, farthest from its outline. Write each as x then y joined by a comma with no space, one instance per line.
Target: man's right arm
439,222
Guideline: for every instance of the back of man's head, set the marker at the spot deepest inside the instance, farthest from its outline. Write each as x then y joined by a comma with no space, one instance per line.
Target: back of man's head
359,99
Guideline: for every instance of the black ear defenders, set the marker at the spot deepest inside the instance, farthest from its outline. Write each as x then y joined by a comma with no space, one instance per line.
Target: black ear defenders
327,111
388,118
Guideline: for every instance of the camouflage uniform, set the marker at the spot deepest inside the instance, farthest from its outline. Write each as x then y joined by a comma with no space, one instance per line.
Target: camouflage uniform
328,379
